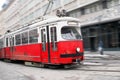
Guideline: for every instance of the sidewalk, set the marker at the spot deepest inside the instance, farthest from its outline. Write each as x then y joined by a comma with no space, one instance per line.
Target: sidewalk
107,54
95,58
117,53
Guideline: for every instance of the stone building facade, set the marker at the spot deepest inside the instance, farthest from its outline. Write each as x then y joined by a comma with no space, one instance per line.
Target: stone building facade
100,19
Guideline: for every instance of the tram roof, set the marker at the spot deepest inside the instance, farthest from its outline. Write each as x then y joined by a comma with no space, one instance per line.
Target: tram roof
45,22
55,19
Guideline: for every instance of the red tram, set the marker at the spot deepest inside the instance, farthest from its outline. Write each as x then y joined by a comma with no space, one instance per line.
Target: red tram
55,41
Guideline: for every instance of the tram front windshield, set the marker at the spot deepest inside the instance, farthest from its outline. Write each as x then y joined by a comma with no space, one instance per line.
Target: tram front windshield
70,33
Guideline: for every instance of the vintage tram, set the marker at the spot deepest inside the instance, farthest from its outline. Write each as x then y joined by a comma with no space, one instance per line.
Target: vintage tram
53,41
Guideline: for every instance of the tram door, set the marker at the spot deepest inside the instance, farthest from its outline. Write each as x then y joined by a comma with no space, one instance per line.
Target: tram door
2,50
11,40
45,44
49,43
7,49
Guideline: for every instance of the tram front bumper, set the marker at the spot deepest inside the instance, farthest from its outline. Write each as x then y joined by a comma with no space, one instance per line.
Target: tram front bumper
71,55
71,58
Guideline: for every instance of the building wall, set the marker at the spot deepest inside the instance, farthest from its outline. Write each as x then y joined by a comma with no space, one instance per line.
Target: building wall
90,12
108,33
99,11
21,12
100,22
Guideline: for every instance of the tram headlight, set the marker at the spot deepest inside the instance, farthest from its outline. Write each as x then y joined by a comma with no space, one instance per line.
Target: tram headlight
78,49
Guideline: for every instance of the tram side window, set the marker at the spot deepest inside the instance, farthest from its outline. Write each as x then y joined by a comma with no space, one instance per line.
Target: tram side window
53,38
33,36
25,38
43,39
18,39
13,41
1,43
6,42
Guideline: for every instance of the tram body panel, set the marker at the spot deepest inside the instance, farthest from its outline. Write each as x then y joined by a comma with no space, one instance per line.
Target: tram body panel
28,52
2,53
7,53
67,50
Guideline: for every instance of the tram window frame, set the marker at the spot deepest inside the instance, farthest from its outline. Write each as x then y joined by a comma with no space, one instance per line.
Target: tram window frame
25,37
13,40
53,32
10,41
1,43
43,39
18,39
33,36
7,42
73,36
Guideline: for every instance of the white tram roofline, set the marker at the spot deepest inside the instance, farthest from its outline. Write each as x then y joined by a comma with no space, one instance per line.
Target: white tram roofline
53,20
45,22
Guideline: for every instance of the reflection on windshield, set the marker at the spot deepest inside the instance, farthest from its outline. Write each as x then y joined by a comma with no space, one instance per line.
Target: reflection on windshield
70,33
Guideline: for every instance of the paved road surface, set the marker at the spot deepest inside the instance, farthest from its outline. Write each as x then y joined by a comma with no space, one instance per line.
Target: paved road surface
95,67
